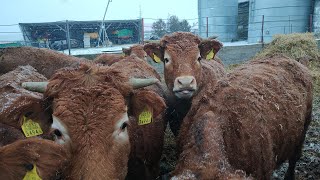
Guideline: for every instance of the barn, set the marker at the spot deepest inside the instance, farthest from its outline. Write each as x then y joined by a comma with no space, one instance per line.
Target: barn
83,34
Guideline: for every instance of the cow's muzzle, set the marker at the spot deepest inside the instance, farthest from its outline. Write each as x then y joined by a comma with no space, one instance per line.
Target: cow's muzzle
184,87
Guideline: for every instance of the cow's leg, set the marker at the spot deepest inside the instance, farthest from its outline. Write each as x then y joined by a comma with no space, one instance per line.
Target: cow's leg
298,151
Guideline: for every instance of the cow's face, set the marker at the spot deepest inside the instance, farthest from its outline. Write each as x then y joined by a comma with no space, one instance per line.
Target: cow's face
182,54
93,123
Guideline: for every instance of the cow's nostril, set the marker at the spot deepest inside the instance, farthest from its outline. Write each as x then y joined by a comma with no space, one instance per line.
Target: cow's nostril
192,81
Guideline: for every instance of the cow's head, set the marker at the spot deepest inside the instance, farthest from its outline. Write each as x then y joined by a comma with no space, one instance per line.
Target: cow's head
90,118
182,54
135,50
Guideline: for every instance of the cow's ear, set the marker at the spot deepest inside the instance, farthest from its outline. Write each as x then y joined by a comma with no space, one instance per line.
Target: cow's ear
126,51
36,119
209,48
145,104
154,50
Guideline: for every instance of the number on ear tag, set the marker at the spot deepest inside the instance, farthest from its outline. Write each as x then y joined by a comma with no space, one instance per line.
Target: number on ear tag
32,175
30,128
210,55
156,58
145,117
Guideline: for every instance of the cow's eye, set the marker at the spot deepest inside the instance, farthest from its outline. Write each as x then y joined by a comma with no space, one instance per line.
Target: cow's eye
199,58
166,60
57,133
124,126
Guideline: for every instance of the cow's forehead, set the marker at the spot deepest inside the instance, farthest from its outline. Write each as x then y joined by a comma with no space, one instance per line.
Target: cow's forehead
90,108
186,52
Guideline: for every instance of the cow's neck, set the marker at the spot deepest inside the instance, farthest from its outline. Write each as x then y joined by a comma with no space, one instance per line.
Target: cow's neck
202,149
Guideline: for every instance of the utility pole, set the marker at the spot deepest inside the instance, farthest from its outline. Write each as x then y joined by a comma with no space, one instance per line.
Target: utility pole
68,35
102,32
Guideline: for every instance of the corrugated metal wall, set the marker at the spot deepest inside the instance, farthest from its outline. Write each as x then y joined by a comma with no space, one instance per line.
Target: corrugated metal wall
280,17
222,19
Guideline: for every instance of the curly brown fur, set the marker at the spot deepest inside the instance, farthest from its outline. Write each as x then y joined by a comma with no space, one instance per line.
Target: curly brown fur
253,120
90,115
45,61
86,75
17,157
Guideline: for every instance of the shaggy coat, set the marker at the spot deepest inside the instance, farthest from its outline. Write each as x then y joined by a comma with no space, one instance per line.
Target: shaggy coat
185,54
146,140
45,61
248,124
90,103
19,157
109,59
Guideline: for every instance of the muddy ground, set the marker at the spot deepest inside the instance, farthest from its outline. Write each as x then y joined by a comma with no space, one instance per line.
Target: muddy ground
307,168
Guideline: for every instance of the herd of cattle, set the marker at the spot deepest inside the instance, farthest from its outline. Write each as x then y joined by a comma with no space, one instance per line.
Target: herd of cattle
63,117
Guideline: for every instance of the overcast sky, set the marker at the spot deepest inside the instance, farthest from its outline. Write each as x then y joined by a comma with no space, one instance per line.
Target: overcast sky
32,11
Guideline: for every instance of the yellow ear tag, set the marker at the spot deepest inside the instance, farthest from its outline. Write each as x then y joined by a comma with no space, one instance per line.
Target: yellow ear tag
123,54
156,58
210,55
145,117
32,175
30,128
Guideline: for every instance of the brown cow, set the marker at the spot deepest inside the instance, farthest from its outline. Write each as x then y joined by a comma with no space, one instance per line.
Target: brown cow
90,118
109,59
45,61
15,103
146,140
249,124
186,70
20,157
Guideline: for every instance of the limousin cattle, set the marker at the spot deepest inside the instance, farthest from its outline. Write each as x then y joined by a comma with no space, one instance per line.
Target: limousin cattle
19,156
188,67
248,124
109,59
91,118
146,140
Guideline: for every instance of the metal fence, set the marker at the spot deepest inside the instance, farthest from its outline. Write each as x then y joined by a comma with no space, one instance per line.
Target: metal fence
259,29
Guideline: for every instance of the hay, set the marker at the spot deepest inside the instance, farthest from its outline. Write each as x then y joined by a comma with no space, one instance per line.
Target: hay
314,67
297,46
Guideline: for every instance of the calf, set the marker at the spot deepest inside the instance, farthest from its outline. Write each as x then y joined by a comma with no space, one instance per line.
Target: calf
248,124
188,68
109,59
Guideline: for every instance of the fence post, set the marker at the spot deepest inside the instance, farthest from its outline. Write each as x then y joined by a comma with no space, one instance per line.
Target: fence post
142,31
311,22
68,35
207,27
262,29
